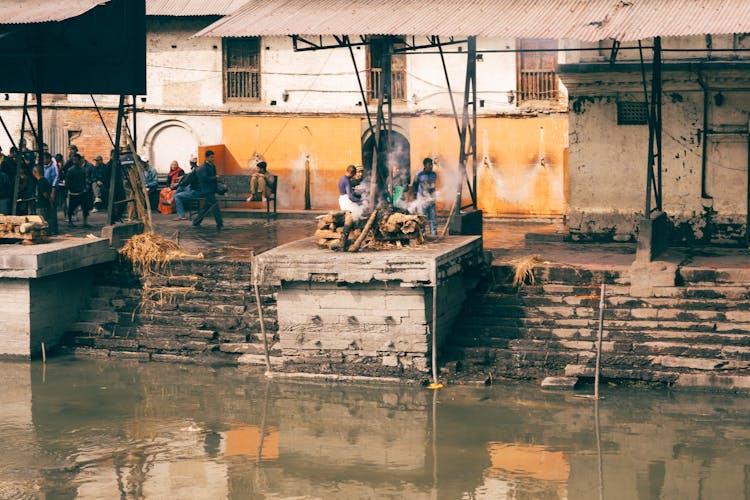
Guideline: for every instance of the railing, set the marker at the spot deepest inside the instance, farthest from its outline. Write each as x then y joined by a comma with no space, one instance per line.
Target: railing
243,84
537,85
398,84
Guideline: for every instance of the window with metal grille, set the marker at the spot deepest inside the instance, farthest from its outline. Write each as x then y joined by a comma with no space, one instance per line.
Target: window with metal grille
376,51
536,78
632,113
242,68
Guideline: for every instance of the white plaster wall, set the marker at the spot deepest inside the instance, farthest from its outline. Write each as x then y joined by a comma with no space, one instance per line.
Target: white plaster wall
181,71
205,129
496,77
316,81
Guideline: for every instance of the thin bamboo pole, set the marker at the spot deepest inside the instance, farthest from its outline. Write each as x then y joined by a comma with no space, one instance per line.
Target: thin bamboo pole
599,342
260,318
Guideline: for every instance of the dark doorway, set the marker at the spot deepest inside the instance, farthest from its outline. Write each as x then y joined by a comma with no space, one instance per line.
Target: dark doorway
397,160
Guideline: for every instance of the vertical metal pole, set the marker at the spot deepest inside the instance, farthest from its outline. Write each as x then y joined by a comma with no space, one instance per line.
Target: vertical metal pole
39,127
115,161
704,146
473,134
656,101
387,76
599,343
19,156
747,216
135,124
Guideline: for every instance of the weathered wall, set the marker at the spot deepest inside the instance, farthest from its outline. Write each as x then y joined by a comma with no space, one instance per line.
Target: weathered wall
55,303
40,310
520,172
328,143
15,327
608,166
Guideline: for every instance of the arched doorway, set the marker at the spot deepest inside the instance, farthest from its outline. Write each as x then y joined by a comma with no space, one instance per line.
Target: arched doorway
168,141
397,160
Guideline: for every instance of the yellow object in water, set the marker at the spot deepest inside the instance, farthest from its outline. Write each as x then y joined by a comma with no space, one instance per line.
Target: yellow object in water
435,386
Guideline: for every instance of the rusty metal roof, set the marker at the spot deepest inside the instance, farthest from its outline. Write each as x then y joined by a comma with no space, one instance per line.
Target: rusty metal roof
192,7
584,20
43,11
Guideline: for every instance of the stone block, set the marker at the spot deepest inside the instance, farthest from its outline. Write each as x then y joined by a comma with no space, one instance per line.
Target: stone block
565,383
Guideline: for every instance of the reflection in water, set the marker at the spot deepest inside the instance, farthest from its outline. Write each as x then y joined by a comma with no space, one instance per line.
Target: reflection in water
104,429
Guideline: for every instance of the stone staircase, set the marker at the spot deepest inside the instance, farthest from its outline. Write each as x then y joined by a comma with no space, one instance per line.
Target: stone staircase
696,334
196,311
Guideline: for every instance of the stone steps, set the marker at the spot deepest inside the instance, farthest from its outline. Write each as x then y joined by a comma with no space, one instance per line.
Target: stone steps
544,329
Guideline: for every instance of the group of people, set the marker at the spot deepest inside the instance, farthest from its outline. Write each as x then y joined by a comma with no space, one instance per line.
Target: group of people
423,191
53,184
201,182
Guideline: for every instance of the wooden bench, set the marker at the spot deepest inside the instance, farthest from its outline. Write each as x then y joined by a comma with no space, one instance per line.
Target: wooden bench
239,191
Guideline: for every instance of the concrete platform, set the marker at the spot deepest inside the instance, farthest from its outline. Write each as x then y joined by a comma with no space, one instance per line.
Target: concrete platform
42,288
367,313
58,256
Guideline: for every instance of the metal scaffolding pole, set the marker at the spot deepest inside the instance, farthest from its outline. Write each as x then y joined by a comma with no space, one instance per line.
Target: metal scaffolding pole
654,179
468,133
115,163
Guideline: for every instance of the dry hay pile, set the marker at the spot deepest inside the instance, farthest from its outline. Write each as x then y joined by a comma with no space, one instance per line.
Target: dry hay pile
150,253
338,231
523,269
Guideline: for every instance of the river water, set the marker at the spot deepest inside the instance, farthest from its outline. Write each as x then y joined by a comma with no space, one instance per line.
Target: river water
119,429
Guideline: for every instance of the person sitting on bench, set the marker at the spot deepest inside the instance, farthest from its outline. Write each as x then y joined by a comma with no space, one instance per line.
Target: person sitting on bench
260,183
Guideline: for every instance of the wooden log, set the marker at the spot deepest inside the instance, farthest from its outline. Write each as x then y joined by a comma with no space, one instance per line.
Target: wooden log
326,234
365,231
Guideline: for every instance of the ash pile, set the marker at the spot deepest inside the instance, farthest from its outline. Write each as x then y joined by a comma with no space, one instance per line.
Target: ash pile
382,230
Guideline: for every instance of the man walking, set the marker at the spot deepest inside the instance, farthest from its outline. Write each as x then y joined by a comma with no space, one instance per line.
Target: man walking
77,191
207,181
424,190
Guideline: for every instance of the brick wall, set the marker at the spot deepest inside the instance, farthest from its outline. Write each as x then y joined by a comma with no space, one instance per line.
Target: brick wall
92,139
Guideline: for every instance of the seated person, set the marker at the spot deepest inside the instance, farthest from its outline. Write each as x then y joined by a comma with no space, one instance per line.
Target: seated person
349,200
166,194
260,183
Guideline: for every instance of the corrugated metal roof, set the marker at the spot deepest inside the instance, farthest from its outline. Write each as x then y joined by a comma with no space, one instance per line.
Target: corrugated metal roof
192,7
584,20
42,11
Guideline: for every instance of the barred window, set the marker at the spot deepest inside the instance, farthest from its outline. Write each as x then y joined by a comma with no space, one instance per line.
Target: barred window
242,68
536,79
632,113
376,50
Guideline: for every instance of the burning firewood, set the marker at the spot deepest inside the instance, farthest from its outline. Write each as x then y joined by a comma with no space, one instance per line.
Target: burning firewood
338,231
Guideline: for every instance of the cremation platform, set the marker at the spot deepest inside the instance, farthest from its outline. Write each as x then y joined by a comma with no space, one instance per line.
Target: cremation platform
42,288
367,313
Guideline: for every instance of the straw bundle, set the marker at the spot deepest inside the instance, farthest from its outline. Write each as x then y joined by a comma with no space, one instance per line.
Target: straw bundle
523,269
150,253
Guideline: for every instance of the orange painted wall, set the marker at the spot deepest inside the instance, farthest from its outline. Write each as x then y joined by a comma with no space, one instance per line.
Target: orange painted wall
285,143
511,179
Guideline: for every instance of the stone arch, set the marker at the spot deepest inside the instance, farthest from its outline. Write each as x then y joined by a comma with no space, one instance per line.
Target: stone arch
170,140
400,156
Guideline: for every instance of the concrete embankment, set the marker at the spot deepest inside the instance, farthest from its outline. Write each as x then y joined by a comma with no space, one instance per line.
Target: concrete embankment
695,334
692,334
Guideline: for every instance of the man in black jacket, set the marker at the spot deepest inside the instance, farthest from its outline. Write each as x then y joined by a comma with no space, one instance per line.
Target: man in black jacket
206,174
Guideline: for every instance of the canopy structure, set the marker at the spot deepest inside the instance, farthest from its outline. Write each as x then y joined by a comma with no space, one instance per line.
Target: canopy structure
42,11
583,20
179,8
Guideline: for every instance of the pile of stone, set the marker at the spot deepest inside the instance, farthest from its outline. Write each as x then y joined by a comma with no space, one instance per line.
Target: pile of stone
339,232
29,229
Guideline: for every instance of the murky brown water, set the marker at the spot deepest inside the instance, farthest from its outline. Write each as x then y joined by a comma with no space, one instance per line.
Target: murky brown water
108,429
